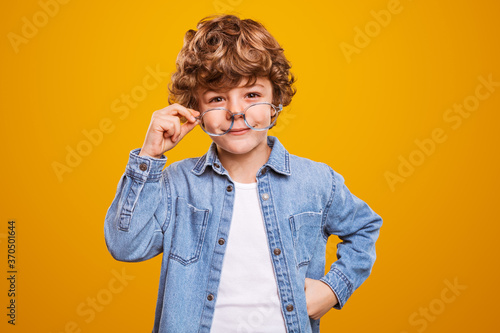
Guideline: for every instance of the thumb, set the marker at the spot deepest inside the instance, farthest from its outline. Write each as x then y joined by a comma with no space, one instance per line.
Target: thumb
187,127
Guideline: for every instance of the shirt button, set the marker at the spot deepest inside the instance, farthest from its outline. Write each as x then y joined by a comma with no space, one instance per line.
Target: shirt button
265,196
229,188
277,251
289,307
263,172
216,165
221,241
143,166
210,297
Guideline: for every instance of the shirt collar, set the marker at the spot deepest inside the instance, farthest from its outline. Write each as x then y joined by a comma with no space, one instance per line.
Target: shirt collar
279,160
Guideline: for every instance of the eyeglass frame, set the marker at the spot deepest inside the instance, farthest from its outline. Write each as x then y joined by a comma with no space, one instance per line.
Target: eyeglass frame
278,109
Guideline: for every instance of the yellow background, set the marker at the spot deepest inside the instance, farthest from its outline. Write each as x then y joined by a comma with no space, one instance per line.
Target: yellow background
359,116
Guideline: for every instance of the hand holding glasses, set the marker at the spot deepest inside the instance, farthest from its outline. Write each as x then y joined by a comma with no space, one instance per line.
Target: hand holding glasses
165,130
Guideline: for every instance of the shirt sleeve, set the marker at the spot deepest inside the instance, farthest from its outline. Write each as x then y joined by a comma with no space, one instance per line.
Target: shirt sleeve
137,217
357,226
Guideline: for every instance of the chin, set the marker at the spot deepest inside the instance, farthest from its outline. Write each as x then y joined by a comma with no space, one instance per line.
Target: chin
238,148
240,145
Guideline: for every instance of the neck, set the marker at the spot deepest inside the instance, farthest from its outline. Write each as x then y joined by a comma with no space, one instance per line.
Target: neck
243,167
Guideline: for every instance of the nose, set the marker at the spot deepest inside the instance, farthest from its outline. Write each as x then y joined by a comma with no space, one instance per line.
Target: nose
236,107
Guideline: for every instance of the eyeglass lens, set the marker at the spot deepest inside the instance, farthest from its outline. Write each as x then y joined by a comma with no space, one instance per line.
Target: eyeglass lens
258,117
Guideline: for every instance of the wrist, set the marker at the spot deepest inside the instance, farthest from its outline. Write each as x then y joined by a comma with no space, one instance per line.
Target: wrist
143,153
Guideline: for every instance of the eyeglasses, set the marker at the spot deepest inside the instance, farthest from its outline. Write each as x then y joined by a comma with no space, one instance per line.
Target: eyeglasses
258,116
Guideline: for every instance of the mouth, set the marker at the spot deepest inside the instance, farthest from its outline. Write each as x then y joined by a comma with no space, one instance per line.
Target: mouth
239,131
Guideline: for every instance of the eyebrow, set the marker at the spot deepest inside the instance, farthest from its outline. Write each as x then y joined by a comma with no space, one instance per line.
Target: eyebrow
244,87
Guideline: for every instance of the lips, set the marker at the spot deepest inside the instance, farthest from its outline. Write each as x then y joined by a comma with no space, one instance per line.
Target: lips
239,131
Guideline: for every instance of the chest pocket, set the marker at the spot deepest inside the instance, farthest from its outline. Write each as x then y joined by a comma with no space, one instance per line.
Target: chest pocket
189,232
305,232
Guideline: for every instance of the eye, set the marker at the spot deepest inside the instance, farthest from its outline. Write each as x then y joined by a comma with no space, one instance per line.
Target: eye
253,95
217,99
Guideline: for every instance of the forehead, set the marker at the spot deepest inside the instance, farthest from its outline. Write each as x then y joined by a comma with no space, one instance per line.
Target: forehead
245,83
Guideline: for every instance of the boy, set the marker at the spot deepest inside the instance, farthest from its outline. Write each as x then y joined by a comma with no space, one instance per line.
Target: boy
243,229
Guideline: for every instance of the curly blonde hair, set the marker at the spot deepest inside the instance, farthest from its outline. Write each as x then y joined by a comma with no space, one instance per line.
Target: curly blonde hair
224,50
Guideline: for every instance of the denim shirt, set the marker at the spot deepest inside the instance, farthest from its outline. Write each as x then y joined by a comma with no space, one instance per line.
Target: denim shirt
185,213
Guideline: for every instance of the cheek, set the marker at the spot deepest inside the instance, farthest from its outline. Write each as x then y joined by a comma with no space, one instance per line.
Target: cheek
216,121
264,119
260,118
211,118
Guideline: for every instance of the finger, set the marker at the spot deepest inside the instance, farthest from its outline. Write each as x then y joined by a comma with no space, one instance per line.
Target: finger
169,126
166,126
191,119
187,127
194,112
177,130
185,114
174,110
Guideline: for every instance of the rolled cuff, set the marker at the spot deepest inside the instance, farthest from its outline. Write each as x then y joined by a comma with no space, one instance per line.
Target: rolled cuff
144,168
340,285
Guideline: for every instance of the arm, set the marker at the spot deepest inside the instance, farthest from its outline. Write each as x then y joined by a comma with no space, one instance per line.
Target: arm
137,217
141,210
357,225
319,297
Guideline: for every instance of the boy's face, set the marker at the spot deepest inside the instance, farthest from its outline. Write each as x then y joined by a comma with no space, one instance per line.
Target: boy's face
240,139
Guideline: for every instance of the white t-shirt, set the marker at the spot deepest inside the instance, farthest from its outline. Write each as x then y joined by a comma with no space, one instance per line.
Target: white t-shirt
247,300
